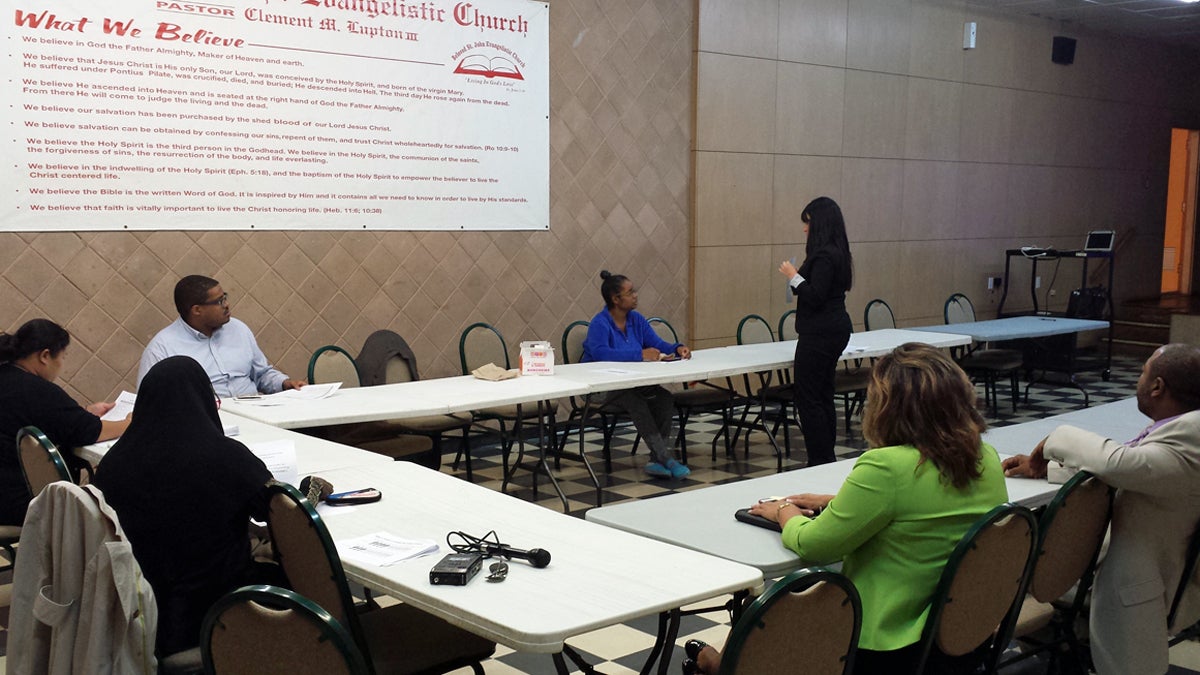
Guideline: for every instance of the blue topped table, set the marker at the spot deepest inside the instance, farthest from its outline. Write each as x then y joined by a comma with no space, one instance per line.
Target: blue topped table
1039,353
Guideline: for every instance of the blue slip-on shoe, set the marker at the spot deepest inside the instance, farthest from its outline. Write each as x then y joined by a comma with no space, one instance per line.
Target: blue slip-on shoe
658,470
678,471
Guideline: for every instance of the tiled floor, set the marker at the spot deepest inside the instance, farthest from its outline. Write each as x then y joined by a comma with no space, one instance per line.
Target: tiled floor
623,648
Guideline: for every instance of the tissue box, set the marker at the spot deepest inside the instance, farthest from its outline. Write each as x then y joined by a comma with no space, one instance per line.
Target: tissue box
537,358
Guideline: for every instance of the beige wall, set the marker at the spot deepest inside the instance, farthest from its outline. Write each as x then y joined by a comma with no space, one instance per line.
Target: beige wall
940,157
620,130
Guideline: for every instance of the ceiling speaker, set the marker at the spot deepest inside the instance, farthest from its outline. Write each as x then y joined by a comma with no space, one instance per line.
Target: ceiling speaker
1063,50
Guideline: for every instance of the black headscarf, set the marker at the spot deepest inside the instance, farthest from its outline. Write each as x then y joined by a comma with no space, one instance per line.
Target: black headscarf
184,494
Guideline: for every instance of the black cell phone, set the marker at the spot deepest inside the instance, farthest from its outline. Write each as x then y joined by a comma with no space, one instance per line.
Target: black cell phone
364,496
745,516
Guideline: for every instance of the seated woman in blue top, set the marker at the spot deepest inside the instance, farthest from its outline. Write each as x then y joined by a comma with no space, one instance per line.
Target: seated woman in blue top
619,333
904,507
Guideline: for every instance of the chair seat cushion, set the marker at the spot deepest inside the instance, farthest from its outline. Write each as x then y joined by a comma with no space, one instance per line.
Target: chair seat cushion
993,359
404,639
702,396
430,424
529,411
855,379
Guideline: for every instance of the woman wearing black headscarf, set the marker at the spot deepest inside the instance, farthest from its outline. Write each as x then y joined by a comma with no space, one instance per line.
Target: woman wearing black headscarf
822,324
184,494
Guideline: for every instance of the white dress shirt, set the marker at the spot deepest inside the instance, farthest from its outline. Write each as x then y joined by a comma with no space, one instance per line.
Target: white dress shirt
231,357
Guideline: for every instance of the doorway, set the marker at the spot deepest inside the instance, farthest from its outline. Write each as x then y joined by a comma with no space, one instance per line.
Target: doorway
1179,232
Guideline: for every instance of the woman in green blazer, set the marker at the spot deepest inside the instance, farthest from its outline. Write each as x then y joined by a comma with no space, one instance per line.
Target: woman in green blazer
904,507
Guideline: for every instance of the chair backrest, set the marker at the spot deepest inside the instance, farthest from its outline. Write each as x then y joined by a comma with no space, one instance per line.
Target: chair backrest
878,315
958,309
1070,533
981,585
765,639
572,341
1185,581
787,326
260,628
663,329
40,462
331,363
386,358
480,345
753,329
309,557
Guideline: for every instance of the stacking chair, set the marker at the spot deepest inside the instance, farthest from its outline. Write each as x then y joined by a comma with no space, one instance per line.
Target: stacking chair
753,329
698,397
41,463
878,315
386,358
1185,632
334,364
395,639
479,345
978,595
984,363
266,629
1070,533
765,638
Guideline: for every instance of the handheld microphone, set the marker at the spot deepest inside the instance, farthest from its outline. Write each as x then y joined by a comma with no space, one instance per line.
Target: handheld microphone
537,557
315,489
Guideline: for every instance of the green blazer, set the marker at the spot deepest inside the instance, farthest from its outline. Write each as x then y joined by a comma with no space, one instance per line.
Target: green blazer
893,524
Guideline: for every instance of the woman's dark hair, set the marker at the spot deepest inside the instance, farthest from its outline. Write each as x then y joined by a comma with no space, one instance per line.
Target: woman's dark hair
918,396
31,338
611,286
827,229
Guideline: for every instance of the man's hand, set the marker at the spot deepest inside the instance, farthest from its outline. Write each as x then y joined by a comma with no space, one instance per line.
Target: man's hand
293,384
1033,465
99,409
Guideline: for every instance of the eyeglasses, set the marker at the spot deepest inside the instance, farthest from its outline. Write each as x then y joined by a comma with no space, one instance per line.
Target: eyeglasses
628,294
222,301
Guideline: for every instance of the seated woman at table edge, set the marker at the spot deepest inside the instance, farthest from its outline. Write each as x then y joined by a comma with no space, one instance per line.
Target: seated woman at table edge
619,333
31,359
906,504
185,493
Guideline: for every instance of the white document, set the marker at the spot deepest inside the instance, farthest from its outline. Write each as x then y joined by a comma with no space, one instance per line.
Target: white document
280,458
310,392
123,406
384,549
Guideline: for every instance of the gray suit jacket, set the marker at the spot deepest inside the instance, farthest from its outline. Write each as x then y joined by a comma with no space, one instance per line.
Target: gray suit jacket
1156,511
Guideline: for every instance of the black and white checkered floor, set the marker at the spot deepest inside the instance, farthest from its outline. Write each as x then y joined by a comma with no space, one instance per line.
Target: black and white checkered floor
624,648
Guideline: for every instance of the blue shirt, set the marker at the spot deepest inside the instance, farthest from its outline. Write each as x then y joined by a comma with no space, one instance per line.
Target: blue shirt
605,342
231,357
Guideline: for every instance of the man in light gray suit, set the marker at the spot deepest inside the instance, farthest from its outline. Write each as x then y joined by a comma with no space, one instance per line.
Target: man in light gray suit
1157,507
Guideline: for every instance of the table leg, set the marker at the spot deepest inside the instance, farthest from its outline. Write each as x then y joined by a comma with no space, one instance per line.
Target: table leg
659,641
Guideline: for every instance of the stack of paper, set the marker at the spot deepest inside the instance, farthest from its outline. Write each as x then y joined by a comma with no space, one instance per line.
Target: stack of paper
384,549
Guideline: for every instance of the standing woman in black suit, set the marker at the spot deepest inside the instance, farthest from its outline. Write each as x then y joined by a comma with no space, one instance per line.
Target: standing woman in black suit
822,324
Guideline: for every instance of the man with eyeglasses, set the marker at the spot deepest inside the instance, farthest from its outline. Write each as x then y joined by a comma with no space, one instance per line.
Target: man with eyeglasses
224,346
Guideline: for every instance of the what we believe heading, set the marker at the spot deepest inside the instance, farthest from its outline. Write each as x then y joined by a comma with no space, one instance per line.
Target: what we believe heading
166,31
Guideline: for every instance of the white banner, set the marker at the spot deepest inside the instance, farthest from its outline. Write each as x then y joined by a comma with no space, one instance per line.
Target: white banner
276,114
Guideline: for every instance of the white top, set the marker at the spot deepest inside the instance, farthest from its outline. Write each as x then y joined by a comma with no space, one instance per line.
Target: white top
458,394
313,455
597,576
231,357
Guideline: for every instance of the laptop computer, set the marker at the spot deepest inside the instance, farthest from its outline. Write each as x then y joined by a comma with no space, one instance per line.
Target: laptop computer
1100,240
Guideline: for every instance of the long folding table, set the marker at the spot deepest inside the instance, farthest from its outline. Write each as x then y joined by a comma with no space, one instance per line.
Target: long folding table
1035,330
703,520
597,577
